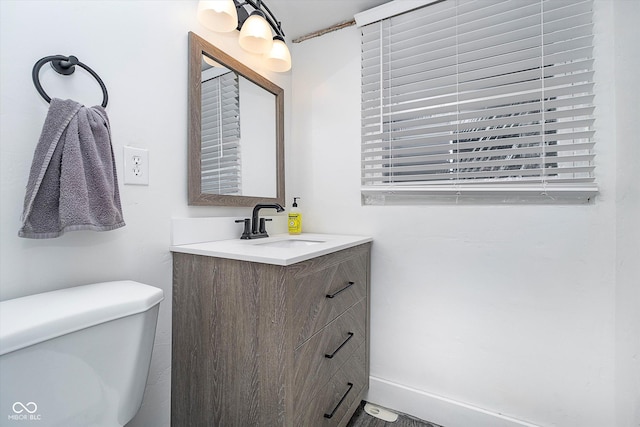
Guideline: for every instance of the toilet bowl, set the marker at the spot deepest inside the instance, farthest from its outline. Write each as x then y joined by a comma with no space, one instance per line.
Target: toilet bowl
78,356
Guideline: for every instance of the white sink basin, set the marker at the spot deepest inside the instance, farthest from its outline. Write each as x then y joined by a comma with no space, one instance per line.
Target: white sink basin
290,243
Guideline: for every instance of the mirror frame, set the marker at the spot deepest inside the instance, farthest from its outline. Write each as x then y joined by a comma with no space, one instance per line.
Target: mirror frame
197,47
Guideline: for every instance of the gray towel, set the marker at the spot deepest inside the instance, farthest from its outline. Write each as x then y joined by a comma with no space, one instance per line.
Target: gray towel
73,183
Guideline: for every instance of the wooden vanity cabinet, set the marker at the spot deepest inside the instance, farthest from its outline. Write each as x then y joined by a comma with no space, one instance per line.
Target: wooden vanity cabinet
265,345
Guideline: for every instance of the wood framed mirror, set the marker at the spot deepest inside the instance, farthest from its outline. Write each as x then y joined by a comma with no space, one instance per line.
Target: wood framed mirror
236,131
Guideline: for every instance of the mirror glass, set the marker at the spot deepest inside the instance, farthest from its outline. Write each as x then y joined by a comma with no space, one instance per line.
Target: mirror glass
236,145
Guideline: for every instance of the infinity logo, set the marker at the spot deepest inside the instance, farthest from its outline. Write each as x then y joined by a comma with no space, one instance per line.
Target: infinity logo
20,407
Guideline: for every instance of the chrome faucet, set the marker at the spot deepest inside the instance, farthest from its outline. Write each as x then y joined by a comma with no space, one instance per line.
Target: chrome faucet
258,225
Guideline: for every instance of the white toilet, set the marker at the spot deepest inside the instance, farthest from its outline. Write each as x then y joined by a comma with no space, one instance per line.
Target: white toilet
78,356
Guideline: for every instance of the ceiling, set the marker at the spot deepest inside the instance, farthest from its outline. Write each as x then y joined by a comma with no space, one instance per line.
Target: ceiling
302,17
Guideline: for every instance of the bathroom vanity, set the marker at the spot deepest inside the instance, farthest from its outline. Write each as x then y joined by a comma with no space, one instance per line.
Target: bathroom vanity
272,332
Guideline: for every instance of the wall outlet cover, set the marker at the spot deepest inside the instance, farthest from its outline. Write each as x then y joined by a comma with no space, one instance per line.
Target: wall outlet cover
136,166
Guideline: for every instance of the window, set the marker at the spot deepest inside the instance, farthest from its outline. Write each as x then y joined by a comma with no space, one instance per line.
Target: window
482,98
220,159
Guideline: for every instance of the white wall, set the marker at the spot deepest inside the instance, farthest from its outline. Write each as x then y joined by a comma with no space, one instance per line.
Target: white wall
627,64
140,51
496,309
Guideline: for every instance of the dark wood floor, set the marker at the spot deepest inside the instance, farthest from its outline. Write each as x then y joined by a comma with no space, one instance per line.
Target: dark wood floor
362,419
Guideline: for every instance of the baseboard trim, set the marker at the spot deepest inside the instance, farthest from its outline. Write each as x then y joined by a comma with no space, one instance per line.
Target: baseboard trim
436,409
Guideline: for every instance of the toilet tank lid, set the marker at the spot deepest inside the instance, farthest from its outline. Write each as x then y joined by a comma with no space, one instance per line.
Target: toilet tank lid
32,319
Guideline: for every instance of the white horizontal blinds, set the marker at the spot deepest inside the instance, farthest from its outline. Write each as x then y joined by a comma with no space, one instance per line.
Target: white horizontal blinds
461,93
220,160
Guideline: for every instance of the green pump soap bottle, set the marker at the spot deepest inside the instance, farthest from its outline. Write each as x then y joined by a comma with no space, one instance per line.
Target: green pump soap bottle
295,218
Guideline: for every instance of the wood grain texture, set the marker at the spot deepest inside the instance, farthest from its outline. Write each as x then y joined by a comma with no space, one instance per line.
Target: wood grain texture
327,398
311,368
231,367
234,342
312,309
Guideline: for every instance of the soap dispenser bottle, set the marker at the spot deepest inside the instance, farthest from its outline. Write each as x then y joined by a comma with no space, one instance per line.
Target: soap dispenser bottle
295,218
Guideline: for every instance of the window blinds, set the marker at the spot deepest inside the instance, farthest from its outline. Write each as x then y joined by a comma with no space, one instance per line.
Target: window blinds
220,160
479,96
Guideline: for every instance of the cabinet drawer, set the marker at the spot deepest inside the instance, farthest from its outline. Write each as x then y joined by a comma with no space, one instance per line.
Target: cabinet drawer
330,404
321,296
320,357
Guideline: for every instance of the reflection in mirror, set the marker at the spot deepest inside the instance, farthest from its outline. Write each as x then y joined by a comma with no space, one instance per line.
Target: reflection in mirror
238,157
236,147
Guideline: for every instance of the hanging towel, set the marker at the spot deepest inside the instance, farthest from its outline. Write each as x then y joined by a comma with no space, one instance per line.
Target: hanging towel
73,183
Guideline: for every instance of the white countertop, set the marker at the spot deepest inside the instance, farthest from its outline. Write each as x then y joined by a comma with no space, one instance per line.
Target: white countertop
268,250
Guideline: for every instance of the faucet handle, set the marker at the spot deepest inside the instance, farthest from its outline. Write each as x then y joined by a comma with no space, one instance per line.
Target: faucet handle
246,233
263,226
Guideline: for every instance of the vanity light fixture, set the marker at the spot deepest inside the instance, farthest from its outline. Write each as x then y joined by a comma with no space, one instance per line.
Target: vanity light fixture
255,34
255,27
219,15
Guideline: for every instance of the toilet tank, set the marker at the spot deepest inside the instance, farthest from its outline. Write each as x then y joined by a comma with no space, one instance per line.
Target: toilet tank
78,356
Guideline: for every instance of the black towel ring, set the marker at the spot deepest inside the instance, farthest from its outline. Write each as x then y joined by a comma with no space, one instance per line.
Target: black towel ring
64,65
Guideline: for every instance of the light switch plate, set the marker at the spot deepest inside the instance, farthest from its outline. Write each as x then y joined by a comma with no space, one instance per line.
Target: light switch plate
136,166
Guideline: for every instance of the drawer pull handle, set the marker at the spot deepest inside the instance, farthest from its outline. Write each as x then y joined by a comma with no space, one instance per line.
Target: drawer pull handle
330,356
343,289
330,415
